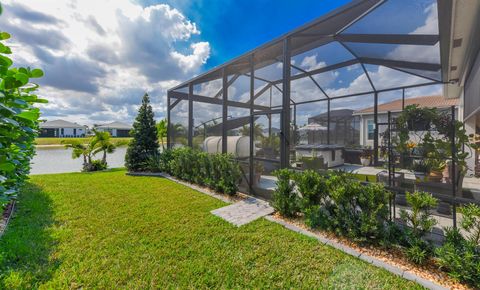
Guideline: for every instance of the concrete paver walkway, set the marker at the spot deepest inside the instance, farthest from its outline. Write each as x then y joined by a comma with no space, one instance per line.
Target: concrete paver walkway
244,212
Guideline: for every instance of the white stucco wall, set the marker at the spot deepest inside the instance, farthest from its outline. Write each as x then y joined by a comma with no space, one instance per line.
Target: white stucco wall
68,132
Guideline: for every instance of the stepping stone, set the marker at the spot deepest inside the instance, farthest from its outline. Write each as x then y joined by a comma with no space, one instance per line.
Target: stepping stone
244,212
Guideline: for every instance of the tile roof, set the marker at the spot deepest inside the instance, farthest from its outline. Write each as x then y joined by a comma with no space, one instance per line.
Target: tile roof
422,102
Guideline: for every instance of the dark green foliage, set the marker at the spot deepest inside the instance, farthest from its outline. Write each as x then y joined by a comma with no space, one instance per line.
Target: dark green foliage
460,255
98,165
18,122
218,171
312,188
360,211
153,163
145,139
420,222
285,199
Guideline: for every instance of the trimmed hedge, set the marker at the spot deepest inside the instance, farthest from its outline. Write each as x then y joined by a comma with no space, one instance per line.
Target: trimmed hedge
220,172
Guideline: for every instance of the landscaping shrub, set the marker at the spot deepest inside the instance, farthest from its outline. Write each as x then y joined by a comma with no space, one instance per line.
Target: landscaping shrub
153,163
145,141
220,172
285,199
460,255
360,211
312,188
18,122
419,222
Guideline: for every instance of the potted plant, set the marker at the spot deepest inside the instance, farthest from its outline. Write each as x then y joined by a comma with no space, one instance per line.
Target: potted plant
416,118
366,157
420,169
436,164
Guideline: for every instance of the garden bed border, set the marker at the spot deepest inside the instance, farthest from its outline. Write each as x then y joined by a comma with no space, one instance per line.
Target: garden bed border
5,221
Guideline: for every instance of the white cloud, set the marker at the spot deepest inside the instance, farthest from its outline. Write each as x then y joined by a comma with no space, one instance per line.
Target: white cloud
100,56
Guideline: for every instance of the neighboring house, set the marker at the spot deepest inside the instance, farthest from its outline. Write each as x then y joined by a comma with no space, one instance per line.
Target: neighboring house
367,125
116,129
344,128
61,128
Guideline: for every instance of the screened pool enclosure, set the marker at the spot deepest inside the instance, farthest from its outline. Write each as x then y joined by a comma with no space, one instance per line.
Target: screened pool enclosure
313,97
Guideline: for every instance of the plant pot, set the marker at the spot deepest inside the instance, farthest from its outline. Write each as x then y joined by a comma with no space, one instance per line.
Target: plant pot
435,176
419,175
365,161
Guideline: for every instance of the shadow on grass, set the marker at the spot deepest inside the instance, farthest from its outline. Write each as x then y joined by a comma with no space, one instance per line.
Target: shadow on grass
26,246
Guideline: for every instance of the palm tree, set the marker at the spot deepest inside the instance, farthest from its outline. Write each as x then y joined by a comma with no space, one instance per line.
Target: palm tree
162,128
79,149
257,130
101,142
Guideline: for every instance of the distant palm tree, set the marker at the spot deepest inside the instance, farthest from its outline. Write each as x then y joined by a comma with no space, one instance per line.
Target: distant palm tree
162,128
102,143
257,130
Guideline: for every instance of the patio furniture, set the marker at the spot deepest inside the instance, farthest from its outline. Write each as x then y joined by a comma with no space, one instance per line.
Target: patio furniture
331,154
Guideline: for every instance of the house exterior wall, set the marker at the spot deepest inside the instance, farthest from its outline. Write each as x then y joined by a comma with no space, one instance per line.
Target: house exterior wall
62,132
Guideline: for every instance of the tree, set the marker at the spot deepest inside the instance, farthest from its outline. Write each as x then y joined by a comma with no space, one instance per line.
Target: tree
103,144
100,142
162,131
145,140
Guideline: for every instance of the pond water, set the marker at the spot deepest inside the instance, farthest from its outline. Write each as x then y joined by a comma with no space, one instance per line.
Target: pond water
59,160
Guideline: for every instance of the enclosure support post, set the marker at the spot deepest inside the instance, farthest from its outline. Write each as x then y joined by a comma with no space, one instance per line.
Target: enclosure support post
252,124
169,123
328,122
190,115
454,169
403,99
285,116
224,110
375,131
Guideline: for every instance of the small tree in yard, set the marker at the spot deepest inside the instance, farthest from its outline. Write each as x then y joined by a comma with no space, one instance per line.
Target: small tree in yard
145,139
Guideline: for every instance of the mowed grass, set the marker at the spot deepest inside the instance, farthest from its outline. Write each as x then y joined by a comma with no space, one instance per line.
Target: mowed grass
83,140
109,230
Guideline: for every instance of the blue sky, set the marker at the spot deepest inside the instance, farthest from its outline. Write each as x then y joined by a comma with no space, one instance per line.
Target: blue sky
100,57
235,27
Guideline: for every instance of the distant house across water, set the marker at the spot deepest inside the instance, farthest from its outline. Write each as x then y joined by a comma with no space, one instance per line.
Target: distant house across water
116,129
61,128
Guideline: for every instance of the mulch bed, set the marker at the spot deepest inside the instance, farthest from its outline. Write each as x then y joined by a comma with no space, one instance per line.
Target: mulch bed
394,256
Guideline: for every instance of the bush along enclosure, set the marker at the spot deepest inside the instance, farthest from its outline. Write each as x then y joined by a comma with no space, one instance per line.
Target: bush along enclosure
339,203
220,172
18,122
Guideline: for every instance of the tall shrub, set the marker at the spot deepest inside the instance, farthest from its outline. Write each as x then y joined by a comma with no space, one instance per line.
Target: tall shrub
18,122
145,139
285,199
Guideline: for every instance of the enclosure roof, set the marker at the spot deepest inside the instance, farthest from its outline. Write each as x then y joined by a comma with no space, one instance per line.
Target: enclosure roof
423,102
405,36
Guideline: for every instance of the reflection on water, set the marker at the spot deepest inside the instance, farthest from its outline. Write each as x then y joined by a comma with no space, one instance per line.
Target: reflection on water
59,160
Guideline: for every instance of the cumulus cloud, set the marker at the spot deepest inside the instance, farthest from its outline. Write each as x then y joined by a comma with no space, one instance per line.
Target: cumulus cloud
99,57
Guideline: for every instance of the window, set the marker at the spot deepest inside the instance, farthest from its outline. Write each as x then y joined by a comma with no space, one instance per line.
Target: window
61,131
370,129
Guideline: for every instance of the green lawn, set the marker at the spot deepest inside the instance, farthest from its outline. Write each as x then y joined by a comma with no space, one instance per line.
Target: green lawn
108,230
84,140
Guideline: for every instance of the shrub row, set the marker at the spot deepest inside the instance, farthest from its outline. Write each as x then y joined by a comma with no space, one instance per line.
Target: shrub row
338,202
18,122
220,172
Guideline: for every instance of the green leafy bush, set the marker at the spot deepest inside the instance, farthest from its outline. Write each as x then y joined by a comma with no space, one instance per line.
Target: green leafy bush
460,255
218,171
312,188
18,122
153,163
285,199
420,222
